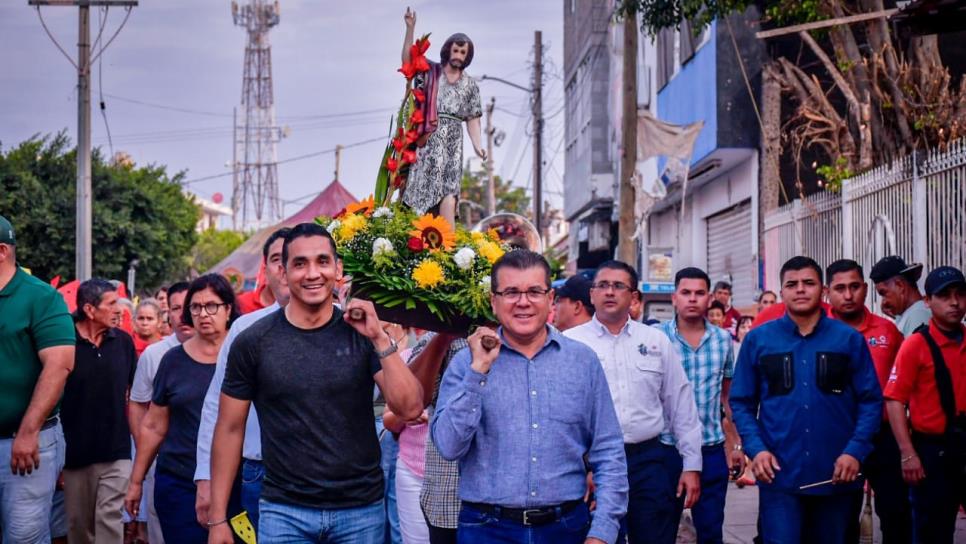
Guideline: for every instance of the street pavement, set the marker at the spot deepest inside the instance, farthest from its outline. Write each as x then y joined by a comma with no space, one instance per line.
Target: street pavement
741,514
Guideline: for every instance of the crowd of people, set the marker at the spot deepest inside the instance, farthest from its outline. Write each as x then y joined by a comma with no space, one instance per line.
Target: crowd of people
307,419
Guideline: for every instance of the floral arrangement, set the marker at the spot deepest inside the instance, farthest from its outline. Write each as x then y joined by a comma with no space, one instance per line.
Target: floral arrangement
400,154
400,260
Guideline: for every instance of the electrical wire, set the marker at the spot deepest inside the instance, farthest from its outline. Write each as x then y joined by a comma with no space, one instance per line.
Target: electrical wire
291,159
53,39
100,82
127,16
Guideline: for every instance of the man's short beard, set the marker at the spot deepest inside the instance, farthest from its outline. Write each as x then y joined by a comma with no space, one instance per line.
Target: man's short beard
456,64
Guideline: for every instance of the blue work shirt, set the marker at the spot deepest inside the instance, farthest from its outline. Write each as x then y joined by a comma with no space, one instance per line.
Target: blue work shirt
806,399
521,431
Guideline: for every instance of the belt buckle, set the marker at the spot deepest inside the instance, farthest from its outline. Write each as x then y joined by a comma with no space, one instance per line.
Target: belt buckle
527,514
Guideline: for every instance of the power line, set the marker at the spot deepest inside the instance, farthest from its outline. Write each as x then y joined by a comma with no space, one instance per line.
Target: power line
308,117
291,159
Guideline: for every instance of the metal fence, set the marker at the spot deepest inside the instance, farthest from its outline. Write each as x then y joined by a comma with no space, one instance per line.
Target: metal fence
914,207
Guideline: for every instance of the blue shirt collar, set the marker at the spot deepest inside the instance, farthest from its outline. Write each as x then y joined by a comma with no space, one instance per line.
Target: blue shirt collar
704,338
790,327
553,336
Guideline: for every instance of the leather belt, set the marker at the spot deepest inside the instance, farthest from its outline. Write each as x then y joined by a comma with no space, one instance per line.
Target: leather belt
527,516
50,422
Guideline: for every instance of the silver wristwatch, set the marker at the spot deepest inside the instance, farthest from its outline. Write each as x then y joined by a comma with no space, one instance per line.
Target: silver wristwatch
393,348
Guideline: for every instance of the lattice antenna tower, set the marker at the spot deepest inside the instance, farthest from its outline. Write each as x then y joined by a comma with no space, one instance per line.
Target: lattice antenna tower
255,188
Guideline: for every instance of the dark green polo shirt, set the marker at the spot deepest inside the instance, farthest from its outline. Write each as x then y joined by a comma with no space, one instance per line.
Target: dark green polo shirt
33,317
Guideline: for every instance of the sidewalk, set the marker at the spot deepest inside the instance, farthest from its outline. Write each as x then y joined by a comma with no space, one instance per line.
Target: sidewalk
741,514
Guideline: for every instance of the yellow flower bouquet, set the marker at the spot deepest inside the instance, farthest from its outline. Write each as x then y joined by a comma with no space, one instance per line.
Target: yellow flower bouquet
417,270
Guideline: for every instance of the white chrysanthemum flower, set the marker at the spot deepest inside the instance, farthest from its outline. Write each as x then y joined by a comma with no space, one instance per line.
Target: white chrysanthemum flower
486,283
464,258
381,246
334,226
382,211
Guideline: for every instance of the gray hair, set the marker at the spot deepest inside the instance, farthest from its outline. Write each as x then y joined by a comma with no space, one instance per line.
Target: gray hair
152,302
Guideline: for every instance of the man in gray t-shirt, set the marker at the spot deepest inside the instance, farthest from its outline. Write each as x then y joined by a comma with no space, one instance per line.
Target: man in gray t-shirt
896,283
310,371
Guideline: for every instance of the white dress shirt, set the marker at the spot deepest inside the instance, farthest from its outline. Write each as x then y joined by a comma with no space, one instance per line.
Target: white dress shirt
252,447
143,387
647,383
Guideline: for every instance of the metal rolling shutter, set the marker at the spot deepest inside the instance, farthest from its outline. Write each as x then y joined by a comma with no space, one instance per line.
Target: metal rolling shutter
729,252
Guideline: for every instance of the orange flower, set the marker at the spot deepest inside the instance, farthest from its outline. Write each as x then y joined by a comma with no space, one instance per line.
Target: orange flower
435,232
364,207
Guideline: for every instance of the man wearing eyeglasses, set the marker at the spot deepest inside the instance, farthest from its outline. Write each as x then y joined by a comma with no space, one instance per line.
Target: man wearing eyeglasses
522,418
649,387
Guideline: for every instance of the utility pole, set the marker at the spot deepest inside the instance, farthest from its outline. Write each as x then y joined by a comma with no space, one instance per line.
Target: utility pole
338,160
626,245
235,200
490,183
83,261
538,131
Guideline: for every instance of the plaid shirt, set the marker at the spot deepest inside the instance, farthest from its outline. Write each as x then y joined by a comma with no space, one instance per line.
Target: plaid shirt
706,368
438,498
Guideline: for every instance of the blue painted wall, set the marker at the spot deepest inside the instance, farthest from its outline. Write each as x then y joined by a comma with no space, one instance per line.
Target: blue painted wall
691,96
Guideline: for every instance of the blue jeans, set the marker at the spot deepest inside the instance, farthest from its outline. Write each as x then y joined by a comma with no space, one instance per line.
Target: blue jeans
708,512
253,473
479,527
291,524
174,501
653,471
788,518
390,451
25,501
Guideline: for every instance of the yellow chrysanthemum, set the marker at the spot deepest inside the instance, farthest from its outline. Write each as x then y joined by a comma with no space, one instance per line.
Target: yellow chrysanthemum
428,274
435,232
351,225
493,234
491,251
363,207
478,236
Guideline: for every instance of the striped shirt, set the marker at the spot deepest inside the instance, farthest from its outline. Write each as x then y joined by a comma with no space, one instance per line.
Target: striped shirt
706,367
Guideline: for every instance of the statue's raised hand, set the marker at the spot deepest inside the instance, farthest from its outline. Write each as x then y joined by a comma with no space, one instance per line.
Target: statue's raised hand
410,18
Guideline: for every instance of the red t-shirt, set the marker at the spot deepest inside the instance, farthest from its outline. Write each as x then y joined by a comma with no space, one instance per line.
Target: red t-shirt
140,345
250,301
913,379
731,319
884,340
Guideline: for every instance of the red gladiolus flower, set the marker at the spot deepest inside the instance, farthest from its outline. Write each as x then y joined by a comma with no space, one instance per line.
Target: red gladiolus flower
399,143
419,95
417,117
399,182
409,156
392,164
408,70
412,136
420,64
415,244
422,44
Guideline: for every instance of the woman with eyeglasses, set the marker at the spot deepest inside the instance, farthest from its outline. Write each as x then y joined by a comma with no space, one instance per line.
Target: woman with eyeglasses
170,428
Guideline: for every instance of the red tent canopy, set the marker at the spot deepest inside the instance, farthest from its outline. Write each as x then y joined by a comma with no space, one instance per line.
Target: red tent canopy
248,257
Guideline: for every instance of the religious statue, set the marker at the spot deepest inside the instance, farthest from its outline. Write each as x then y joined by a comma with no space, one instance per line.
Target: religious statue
451,98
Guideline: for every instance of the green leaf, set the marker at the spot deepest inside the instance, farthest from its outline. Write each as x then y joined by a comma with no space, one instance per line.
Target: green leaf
382,178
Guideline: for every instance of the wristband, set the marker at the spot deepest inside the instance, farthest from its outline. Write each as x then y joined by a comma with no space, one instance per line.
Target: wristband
907,459
214,523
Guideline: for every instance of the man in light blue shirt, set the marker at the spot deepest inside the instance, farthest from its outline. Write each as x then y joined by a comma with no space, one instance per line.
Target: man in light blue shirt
708,360
252,470
522,417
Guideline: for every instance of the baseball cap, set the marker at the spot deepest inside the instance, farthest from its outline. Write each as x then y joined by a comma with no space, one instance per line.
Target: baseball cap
892,266
6,232
576,288
941,278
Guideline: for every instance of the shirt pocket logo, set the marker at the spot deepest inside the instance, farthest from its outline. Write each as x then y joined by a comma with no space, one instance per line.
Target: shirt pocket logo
779,373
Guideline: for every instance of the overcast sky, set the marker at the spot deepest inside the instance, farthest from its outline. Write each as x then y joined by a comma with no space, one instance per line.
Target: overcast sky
328,57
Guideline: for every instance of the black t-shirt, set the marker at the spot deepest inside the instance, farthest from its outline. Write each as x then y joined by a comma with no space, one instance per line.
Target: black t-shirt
180,385
313,393
94,409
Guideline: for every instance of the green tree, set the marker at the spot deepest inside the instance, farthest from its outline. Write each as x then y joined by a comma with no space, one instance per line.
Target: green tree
213,246
138,213
861,95
508,197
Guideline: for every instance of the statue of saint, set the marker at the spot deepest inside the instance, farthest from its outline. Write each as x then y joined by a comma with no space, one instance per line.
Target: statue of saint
452,98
